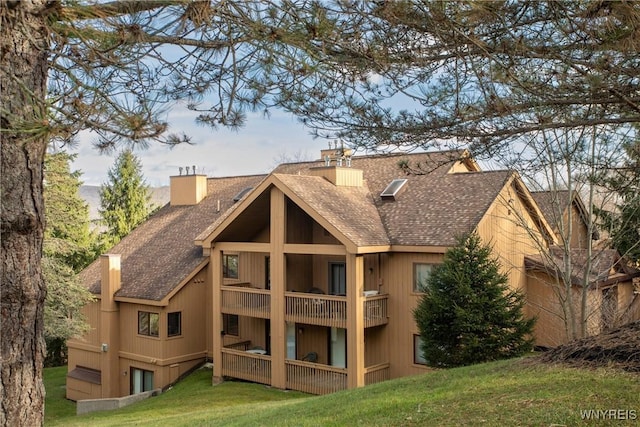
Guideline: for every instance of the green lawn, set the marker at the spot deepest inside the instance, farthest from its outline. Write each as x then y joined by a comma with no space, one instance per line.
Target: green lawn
493,394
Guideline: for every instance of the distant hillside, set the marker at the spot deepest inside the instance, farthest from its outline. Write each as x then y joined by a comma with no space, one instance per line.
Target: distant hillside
91,194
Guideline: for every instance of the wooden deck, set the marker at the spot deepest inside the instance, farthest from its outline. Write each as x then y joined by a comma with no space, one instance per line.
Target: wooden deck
315,378
246,366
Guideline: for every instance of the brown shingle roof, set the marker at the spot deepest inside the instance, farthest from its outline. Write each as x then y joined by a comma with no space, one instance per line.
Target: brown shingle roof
605,264
350,209
160,253
435,206
552,204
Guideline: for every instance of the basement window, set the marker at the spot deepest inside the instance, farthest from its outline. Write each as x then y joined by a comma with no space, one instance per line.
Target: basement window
418,356
393,189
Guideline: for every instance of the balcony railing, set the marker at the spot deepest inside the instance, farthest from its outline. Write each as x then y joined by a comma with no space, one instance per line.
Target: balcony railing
376,373
313,309
315,378
375,311
316,309
246,301
246,366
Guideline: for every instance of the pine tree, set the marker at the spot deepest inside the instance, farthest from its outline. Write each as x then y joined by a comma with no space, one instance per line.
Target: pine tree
623,222
125,199
68,246
468,314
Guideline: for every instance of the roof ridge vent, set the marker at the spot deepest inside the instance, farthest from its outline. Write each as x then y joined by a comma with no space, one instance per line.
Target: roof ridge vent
394,188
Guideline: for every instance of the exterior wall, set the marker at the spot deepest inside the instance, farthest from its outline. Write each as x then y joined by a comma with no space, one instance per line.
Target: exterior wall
85,351
629,301
579,234
167,357
543,304
550,330
397,281
80,390
510,230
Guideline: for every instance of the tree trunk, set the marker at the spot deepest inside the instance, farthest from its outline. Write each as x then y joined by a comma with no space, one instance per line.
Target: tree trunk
23,140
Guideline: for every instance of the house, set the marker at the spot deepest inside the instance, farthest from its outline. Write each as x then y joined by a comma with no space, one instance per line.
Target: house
610,286
568,216
302,279
151,320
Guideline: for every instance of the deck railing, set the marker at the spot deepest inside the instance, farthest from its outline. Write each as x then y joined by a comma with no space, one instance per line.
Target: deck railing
375,311
316,309
246,366
246,301
315,378
376,373
313,309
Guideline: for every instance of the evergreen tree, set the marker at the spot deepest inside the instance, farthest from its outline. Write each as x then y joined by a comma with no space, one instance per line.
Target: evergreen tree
468,314
68,247
623,222
125,199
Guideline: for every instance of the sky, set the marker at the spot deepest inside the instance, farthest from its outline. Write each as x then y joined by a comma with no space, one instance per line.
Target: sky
254,149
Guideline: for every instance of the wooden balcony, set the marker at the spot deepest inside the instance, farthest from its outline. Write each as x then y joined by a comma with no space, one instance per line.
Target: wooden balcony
377,373
375,311
315,378
312,309
316,309
245,301
246,366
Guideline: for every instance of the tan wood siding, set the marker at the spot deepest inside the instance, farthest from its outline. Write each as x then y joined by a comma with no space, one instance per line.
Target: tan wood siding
91,312
190,301
311,338
397,281
299,225
130,341
509,228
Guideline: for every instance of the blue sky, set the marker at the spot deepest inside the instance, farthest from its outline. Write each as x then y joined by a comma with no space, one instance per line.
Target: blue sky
255,148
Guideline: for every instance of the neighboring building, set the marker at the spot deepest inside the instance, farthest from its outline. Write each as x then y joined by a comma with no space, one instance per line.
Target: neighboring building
303,279
567,215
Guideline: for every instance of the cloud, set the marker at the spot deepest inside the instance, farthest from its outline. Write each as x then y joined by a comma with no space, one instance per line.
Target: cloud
251,150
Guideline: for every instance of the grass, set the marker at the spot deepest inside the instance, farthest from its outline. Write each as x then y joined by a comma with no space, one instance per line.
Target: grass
492,394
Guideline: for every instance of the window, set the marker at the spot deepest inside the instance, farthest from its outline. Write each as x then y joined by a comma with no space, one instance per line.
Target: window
230,266
230,324
418,357
241,194
393,189
174,324
141,380
421,273
148,323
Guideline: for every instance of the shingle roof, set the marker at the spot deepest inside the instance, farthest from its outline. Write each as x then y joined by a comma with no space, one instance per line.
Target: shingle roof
604,264
552,204
350,209
160,253
435,207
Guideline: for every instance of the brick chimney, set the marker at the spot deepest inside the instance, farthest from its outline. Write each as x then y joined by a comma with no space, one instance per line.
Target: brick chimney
187,190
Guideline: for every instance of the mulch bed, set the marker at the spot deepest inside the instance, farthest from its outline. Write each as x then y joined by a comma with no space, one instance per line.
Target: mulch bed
618,348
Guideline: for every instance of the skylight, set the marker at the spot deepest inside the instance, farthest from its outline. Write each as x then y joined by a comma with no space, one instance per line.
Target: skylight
241,194
393,188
